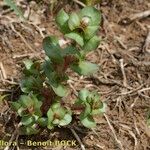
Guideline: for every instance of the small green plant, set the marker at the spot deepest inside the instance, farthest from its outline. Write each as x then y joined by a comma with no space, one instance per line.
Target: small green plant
44,87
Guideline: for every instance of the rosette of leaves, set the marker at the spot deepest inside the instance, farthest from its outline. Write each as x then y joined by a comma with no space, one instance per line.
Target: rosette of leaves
28,108
92,106
58,115
81,27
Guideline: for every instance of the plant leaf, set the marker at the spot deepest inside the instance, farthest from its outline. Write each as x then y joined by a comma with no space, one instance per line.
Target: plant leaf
22,111
56,121
26,101
70,50
76,37
52,49
31,68
14,7
62,21
29,130
90,31
42,121
27,120
15,105
83,94
50,73
101,110
30,83
85,68
60,90
93,14
74,21
28,64
50,115
59,112
92,44
88,122
2,97
66,120
86,112
37,107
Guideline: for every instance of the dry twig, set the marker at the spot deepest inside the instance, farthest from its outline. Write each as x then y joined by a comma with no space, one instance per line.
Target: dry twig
113,131
140,15
80,3
78,139
21,36
146,46
3,70
123,73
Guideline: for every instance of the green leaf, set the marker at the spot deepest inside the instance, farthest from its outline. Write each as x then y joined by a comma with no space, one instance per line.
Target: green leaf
90,31
27,120
62,21
100,110
76,37
86,112
2,97
42,121
88,122
52,49
31,83
56,121
50,115
83,94
93,14
85,68
14,7
31,130
78,102
31,68
74,21
95,96
59,112
26,101
37,105
37,110
28,64
56,106
92,44
70,50
22,111
60,90
66,120
50,73
15,105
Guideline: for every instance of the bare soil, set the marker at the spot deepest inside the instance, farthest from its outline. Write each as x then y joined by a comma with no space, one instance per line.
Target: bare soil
123,79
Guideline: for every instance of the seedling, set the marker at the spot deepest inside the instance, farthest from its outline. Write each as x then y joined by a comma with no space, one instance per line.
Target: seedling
44,90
